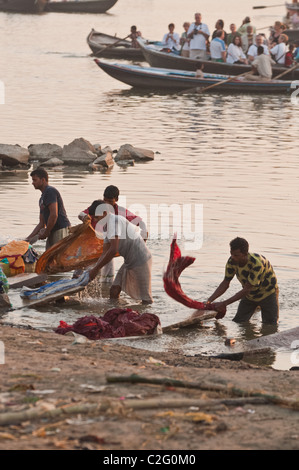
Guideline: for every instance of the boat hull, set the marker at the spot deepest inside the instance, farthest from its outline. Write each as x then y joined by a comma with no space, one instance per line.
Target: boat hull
293,34
22,6
292,6
176,80
159,59
92,6
123,50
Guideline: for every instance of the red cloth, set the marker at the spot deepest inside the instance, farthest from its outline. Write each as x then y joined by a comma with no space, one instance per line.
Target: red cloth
116,323
172,286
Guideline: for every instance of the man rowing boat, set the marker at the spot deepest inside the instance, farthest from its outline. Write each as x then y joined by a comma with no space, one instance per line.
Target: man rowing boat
261,67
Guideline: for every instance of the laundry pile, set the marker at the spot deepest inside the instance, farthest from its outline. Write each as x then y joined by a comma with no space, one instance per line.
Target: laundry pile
116,323
16,256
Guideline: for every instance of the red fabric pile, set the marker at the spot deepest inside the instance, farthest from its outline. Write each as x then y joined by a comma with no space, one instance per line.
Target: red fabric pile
116,323
172,286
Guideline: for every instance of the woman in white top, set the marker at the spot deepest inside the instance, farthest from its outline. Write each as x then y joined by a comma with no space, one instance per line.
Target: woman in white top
235,54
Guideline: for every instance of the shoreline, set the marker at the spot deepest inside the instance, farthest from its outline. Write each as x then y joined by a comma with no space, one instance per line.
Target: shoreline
57,393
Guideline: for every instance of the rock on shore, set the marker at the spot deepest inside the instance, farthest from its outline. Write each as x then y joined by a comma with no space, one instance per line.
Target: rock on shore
78,152
13,155
44,152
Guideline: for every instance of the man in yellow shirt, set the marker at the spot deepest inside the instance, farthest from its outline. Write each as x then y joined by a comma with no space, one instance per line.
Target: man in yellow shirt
259,285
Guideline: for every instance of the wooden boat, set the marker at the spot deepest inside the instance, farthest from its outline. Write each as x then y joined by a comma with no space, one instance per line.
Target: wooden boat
81,6
292,6
161,79
121,50
158,58
293,35
22,6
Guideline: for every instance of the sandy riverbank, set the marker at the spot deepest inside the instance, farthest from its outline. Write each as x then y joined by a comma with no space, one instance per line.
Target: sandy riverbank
48,373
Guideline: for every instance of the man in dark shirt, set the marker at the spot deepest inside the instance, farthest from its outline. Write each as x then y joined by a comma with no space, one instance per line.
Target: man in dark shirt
53,223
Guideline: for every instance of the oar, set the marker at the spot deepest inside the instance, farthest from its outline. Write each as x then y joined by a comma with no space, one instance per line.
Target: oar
286,71
265,27
223,81
268,6
113,44
200,90
241,75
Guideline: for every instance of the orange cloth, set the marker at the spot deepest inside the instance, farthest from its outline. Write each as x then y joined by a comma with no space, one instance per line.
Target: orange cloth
78,250
14,251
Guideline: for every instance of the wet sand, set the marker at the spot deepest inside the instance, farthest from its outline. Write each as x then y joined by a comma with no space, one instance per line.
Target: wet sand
56,393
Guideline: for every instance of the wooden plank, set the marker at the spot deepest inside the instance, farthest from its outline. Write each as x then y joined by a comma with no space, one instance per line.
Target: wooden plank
51,297
194,320
26,280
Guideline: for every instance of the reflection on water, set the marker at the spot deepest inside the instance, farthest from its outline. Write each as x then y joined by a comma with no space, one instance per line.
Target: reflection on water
234,154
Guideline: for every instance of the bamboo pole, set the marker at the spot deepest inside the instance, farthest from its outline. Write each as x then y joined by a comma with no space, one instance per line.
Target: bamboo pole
234,391
37,413
238,397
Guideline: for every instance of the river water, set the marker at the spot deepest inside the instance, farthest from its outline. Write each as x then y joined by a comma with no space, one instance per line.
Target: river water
235,156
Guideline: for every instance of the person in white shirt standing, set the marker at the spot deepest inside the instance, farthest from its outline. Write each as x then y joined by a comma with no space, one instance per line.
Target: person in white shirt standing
252,51
218,48
279,51
199,34
172,39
